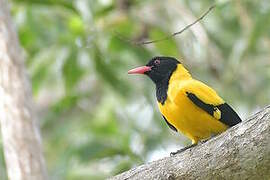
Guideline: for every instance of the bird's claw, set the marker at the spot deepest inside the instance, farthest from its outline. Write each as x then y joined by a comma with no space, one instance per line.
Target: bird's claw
205,140
181,150
176,152
187,147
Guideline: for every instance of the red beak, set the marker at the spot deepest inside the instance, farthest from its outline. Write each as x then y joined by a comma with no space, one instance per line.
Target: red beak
139,70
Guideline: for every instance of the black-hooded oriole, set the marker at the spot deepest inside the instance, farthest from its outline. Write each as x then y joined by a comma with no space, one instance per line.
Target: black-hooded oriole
187,105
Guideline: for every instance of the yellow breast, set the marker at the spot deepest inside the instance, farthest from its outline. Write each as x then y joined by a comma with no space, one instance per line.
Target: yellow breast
184,115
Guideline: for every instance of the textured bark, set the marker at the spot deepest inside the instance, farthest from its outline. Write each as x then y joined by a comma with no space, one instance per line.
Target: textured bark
242,152
20,134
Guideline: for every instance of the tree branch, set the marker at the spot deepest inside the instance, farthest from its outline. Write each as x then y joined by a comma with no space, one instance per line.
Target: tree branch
166,37
242,152
20,133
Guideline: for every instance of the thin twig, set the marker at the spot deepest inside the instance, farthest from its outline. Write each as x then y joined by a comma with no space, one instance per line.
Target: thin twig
171,35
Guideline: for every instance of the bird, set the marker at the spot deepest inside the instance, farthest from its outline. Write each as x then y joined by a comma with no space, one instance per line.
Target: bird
187,105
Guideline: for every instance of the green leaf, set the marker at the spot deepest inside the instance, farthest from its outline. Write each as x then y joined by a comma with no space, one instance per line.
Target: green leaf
109,74
96,150
72,72
167,47
76,25
261,27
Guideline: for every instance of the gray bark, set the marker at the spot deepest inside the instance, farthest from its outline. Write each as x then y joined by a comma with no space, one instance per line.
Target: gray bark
242,152
21,139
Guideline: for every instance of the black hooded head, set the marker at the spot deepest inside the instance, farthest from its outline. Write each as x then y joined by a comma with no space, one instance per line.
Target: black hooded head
159,69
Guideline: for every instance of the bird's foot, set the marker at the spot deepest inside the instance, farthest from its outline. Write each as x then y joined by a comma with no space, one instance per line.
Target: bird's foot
205,140
183,149
192,145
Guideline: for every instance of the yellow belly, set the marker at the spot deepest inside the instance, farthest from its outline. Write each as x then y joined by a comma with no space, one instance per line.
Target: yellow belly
192,121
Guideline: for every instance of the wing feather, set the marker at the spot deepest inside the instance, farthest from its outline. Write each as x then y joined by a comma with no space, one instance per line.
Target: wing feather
208,100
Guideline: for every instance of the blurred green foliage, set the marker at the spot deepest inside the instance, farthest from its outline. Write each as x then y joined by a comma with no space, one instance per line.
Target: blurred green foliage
96,121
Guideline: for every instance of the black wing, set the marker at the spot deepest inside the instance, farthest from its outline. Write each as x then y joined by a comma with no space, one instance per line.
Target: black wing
228,115
170,125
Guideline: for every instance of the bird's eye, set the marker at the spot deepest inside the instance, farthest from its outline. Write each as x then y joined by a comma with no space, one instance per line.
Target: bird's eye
157,62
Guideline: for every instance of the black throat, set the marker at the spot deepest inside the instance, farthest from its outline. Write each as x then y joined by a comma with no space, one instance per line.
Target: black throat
161,92
162,89
161,70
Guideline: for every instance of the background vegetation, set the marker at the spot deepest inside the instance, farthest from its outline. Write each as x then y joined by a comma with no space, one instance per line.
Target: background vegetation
96,121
